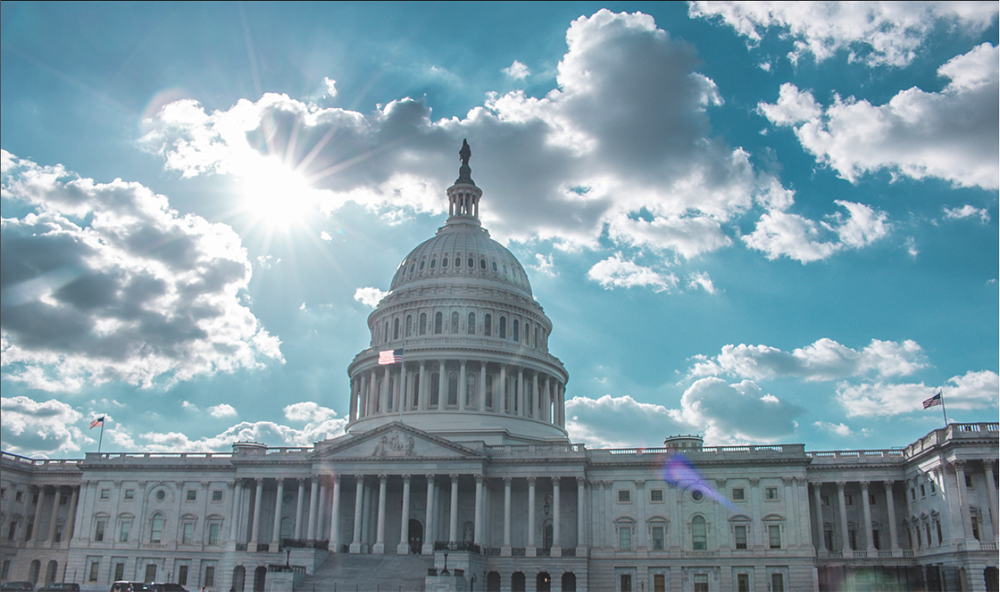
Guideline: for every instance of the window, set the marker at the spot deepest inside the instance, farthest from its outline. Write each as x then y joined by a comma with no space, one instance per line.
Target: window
423,323
625,538
625,580
123,531
438,323
409,325
913,493
876,542
95,569
738,494
777,582
213,533
105,494
771,493
161,495
657,538
701,583
699,533
156,532
828,539
482,264
182,575
489,391
453,389
129,494
63,500
119,571
933,488
12,531
968,481
471,329
488,325
697,495
187,536
872,500
433,263
624,496
740,532
849,500
937,525
444,262
659,583
514,331
454,322
435,389
217,495
503,327
852,537
656,496
192,495
209,576
774,536
150,576
923,492
825,500
18,496
99,531
742,582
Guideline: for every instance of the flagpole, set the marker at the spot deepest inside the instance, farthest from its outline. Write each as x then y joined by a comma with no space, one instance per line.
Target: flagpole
101,441
943,410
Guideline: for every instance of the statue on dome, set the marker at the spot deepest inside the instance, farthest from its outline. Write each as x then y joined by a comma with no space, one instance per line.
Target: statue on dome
464,171
465,153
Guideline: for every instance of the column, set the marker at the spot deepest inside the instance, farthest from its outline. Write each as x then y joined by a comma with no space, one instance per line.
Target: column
890,505
609,514
255,533
372,392
353,407
547,402
401,399
236,514
404,522
313,502
358,495
791,502
71,520
520,393
818,502
321,508
867,507
581,491
481,401
845,542
37,524
477,536
530,552
86,499
992,488
421,391
335,517
501,405
380,528
453,517
362,400
505,551
298,508
442,387
276,534
429,536
383,395
962,498
461,386
53,518
556,515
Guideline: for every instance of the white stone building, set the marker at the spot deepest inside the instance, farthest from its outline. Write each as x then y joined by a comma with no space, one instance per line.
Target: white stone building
456,473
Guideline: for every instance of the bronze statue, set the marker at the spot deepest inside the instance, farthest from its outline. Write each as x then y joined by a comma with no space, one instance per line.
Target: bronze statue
465,153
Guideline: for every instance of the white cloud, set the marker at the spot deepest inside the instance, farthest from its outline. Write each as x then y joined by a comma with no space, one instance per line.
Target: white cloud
701,280
222,410
330,87
517,71
967,211
41,428
839,429
368,296
878,33
951,135
325,236
544,265
614,272
974,390
619,422
823,360
780,234
736,412
104,282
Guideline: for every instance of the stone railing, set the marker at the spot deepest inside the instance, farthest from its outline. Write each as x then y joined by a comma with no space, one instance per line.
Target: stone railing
39,462
528,450
708,450
147,456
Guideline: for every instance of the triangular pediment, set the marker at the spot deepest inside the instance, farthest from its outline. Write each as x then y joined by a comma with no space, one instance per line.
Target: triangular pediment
396,441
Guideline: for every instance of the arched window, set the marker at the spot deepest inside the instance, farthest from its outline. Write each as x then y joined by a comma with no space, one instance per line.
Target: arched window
470,390
395,329
472,324
503,327
409,325
444,262
454,322
453,389
536,336
514,331
488,325
527,333
385,332
482,264
699,533
156,528
423,323
489,391
528,406
438,323
435,389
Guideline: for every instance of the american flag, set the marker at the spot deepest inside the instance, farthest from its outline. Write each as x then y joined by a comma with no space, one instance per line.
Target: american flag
97,422
390,356
935,400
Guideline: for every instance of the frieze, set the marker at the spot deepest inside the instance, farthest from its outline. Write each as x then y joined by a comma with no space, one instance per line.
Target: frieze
394,445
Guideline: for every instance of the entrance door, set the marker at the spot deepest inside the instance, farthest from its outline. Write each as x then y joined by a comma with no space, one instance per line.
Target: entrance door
415,536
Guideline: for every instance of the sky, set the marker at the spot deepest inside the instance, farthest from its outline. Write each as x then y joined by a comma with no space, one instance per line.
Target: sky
761,223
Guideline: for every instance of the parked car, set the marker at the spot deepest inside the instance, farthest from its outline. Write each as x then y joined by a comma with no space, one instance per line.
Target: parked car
64,587
167,587
130,587
18,587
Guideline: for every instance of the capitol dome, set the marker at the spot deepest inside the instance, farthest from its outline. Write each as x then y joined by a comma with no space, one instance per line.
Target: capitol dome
470,342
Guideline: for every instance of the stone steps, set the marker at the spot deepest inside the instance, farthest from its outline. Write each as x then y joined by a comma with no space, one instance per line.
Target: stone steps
368,573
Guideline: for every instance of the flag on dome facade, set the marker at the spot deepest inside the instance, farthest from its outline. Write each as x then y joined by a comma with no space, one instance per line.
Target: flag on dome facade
390,356
931,402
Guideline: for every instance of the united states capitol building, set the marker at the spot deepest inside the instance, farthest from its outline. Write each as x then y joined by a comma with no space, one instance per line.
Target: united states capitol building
456,473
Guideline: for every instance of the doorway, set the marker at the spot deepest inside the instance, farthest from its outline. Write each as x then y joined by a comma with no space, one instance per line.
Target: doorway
415,536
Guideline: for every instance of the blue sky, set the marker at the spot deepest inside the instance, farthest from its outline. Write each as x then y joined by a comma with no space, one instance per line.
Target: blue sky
761,223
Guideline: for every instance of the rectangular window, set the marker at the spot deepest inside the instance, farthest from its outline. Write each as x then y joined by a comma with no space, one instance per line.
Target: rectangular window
123,531
188,534
213,533
626,583
18,496
657,538
771,493
933,488
774,536
738,494
656,495
624,496
849,500
777,582
6,570
742,582
150,576
182,575
209,576
624,538
923,492
872,500
876,541
12,531
659,583
129,494
63,500
59,533
95,570
741,536
99,531
852,537
828,539
913,493
968,481
192,495
105,494
937,525
825,500
701,583
119,572
217,495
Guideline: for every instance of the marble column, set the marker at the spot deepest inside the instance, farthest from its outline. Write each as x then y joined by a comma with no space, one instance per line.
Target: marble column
299,506
536,397
404,522
963,501
37,522
421,390
71,520
547,401
461,386
477,535
276,534
453,513
818,502
505,551
54,516
581,491
791,503
352,405
383,394
481,401
313,503
359,493
503,405
556,518
237,516
890,505
255,533
521,411
429,536
335,517
321,504
845,545
530,551
991,487
380,528
362,396
867,527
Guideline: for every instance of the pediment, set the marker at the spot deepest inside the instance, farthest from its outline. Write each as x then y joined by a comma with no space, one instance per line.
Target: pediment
397,441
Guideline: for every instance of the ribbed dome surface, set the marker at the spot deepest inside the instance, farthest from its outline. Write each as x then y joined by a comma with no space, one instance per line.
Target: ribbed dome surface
461,249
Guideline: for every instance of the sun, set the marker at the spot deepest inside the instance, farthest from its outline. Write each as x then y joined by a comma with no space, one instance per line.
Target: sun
275,194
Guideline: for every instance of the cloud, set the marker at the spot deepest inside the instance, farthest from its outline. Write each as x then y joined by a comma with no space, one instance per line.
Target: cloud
949,135
823,360
724,410
40,428
839,429
517,71
330,87
616,422
325,236
967,211
614,272
877,33
544,265
222,410
104,282
701,280
780,234
974,390
368,296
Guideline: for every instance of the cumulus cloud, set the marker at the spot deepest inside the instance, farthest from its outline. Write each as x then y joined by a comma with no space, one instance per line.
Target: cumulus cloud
40,428
617,422
223,410
104,282
877,33
781,234
701,280
723,410
973,390
949,135
967,211
517,71
839,429
615,272
368,296
823,360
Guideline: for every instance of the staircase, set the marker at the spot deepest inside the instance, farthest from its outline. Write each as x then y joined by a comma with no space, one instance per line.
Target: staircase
342,572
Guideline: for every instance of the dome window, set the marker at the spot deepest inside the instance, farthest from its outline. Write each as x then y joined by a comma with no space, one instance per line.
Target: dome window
488,325
454,322
423,324
458,261
472,262
444,262
503,327
514,333
472,324
438,323
421,266
409,325
494,266
411,267
482,264
433,263
505,269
